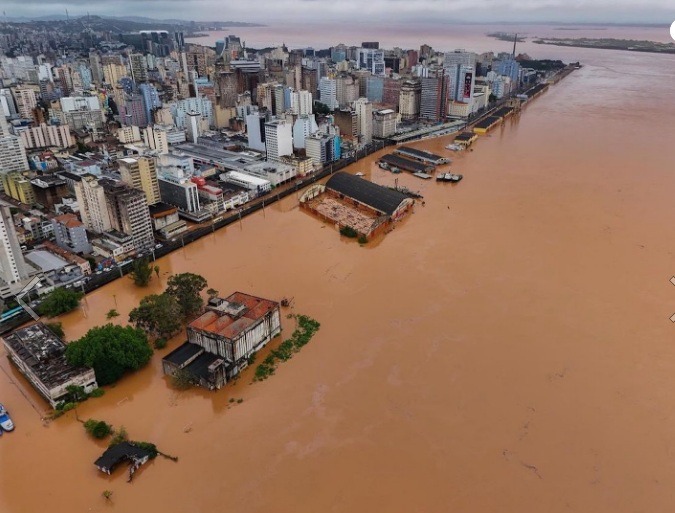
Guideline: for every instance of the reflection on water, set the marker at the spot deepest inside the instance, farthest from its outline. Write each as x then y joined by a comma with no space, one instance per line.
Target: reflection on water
507,345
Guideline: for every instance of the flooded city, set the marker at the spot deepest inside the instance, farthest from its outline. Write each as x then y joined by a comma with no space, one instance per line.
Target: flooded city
508,344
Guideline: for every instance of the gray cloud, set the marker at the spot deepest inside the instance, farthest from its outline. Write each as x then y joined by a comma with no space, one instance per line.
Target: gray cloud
653,11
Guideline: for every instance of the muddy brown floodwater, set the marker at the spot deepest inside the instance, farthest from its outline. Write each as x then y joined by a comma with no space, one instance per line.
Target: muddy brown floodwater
506,348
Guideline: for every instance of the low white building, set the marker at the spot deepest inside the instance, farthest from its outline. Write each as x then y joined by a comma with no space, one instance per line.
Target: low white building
255,185
275,172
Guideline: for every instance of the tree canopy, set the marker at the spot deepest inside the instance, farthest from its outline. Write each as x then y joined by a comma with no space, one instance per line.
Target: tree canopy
186,288
111,350
60,301
158,314
141,272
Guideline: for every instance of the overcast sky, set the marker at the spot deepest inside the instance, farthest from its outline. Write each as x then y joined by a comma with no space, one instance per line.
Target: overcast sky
267,11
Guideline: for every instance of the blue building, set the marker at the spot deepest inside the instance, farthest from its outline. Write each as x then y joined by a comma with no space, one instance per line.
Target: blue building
151,100
509,68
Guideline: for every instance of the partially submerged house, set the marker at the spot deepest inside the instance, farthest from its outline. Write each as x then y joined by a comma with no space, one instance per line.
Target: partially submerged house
123,451
222,339
41,356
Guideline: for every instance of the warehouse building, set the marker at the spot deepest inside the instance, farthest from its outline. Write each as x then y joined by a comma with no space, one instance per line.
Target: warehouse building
41,357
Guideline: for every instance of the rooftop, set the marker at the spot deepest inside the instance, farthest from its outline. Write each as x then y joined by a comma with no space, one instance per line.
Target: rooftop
118,453
375,196
44,353
231,316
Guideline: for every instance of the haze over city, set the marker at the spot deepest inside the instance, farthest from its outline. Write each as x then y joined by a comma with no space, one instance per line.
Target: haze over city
356,11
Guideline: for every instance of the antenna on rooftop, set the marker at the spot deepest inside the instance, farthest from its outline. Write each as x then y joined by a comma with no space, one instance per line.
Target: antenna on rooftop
67,15
515,40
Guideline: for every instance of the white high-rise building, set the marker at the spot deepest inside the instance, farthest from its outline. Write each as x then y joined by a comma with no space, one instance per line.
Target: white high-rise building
303,127
45,136
255,128
328,92
157,138
278,139
12,152
93,208
13,267
192,125
26,101
301,103
364,120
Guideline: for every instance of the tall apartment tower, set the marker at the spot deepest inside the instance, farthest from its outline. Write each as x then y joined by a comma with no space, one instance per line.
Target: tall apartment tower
141,174
93,207
364,120
13,267
433,96
12,153
301,103
278,139
129,213
409,99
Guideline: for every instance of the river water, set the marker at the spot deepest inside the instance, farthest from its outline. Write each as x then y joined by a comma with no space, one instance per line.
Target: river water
506,348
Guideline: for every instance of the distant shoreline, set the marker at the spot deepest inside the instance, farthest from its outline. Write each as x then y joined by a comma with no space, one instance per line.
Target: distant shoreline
611,44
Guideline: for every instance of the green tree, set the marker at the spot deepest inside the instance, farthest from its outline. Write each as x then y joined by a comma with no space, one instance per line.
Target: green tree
157,314
112,313
111,350
156,269
141,272
321,108
98,428
60,301
212,293
186,288
56,328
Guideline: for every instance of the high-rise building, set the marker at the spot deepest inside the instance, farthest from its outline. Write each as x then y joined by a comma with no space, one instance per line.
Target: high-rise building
459,58
46,136
81,112
384,123
409,99
139,67
70,233
151,100
328,92
13,267
141,174
364,120
26,101
278,101
433,96
96,68
113,72
347,90
192,126
371,59
12,152
255,128
156,137
509,68
301,103
93,207
278,139
129,213
303,127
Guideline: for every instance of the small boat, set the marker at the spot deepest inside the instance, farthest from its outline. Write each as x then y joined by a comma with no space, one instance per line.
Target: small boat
423,176
5,422
454,147
448,177
359,174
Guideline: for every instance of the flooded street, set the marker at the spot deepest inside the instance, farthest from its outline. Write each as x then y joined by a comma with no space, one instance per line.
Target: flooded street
506,348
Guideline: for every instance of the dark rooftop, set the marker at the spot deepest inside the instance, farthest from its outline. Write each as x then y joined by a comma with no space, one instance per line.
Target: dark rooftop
161,209
183,353
487,122
118,453
406,164
375,196
44,353
419,153
200,366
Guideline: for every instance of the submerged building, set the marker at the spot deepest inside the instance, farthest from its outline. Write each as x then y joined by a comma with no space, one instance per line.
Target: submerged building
41,357
222,339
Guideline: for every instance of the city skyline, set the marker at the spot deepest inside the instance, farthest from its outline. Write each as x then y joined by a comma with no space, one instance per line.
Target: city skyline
437,11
